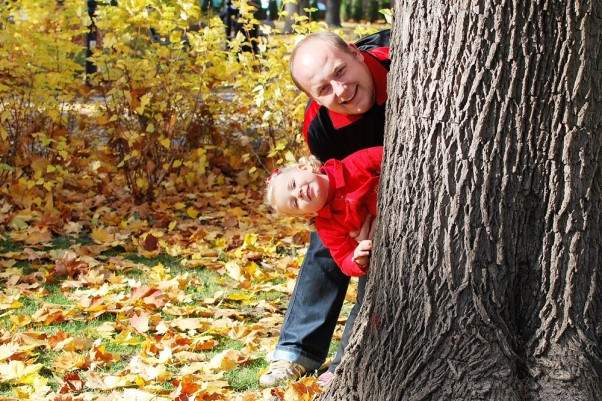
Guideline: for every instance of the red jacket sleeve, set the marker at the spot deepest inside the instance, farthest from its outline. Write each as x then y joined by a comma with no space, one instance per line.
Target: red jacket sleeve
341,247
368,160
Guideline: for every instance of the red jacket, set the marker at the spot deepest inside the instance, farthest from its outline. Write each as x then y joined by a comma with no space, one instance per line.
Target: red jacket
352,196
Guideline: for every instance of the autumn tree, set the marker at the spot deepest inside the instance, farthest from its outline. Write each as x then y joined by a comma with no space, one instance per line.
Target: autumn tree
333,12
486,279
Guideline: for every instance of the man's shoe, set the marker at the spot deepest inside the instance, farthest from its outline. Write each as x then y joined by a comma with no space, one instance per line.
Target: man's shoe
280,371
325,378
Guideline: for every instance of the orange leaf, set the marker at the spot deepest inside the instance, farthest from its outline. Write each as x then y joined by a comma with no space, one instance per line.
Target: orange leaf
101,357
69,361
72,383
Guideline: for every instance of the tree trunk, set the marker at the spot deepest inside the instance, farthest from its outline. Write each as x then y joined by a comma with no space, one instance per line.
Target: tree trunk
291,9
333,13
486,277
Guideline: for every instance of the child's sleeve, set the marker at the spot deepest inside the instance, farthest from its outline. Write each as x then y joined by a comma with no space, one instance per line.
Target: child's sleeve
341,247
374,160
367,161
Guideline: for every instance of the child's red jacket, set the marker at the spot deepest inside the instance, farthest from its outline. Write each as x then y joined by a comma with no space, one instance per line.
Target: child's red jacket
352,196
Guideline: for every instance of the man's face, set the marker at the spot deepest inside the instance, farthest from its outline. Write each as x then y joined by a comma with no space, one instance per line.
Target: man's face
337,80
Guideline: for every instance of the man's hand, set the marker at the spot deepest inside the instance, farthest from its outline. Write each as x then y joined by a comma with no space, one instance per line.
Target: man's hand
366,232
361,255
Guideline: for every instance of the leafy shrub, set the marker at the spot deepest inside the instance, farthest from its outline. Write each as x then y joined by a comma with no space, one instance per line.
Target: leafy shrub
38,86
170,99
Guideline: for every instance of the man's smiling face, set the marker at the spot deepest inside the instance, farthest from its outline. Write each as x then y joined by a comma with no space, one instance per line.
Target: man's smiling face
338,80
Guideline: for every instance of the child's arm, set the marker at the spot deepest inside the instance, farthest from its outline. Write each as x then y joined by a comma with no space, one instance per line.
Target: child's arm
368,160
341,247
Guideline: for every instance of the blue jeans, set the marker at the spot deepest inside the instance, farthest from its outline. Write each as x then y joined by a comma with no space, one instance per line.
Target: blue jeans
313,309
361,289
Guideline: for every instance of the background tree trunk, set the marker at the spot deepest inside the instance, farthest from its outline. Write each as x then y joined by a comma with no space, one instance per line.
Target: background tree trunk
486,279
333,13
291,9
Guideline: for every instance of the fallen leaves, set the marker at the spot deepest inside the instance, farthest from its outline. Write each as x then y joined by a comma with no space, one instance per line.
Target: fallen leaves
87,321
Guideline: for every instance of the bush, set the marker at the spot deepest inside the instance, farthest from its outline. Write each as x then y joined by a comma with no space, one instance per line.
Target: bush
38,86
170,99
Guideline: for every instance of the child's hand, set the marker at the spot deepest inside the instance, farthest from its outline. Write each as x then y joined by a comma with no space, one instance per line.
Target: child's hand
361,255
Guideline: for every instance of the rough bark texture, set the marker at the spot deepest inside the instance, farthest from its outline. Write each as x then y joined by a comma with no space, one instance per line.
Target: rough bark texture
486,279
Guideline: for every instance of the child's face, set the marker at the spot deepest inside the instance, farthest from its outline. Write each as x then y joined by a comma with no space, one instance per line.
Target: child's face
300,192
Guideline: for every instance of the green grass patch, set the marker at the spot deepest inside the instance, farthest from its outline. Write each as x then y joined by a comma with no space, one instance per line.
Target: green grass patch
245,378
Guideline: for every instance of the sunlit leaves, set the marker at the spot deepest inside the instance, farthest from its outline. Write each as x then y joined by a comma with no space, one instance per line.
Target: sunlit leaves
169,332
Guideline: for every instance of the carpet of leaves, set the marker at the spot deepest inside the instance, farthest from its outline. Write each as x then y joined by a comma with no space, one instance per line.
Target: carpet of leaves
76,246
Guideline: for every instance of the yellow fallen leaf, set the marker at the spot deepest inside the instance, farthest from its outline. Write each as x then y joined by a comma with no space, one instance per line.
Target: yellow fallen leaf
105,330
126,338
225,360
37,387
96,381
133,394
72,227
38,236
189,357
186,324
250,240
221,243
18,371
240,297
194,367
77,344
235,271
192,212
102,236
157,373
20,320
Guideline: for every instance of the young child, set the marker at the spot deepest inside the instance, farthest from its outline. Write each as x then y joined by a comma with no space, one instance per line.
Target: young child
339,196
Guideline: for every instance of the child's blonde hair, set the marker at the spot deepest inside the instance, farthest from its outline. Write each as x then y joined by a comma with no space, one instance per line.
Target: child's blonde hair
310,161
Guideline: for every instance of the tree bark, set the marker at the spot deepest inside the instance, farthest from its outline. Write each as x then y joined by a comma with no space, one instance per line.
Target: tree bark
486,277
333,13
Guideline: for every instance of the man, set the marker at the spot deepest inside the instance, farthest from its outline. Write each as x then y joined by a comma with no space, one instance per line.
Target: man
346,113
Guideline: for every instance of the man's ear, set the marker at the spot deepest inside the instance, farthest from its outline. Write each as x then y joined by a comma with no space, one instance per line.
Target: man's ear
356,52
